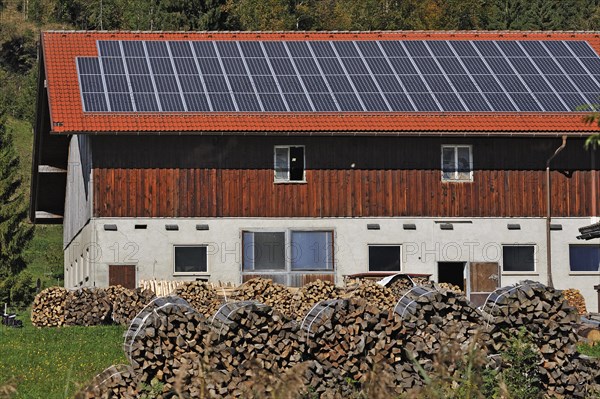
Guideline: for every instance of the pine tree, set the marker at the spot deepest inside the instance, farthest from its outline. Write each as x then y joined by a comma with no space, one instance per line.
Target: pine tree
14,233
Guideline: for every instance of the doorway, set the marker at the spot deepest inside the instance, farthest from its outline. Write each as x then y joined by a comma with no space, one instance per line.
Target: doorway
452,273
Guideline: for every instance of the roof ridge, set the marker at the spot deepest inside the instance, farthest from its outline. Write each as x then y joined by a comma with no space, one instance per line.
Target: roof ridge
420,31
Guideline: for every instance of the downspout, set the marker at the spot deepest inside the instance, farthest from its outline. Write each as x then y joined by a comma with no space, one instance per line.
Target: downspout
549,212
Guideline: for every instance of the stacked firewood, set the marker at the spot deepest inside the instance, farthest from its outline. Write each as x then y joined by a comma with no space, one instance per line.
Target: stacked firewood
430,318
403,283
115,382
349,338
550,324
159,335
266,291
312,293
48,308
129,303
201,296
87,307
575,299
375,294
250,337
450,287
113,293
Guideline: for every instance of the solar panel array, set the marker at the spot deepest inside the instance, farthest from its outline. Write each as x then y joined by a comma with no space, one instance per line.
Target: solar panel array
340,76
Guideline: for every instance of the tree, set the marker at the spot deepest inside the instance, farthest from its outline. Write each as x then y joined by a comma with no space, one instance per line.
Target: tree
593,141
14,233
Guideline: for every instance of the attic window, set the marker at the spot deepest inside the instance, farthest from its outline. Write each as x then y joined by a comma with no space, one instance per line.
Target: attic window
457,163
289,164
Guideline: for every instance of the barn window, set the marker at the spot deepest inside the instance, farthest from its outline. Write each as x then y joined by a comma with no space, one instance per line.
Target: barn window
584,258
264,250
288,255
190,259
289,163
457,163
518,258
311,250
384,258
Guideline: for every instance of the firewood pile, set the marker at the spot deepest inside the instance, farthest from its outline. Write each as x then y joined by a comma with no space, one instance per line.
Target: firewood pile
375,294
431,317
267,292
312,293
87,307
575,299
166,329
245,348
403,283
249,336
450,287
550,323
115,382
348,338
113,293
129,303
201,296
48,308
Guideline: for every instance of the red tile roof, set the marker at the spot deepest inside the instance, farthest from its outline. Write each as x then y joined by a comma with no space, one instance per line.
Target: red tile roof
60,49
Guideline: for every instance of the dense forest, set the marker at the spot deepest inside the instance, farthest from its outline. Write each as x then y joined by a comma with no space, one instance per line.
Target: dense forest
21,21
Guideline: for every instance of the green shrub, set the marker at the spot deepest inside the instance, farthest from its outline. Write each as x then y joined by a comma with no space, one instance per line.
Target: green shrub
17,291
520,361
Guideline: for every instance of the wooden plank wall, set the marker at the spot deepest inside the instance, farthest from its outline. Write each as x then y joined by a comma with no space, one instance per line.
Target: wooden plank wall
378,185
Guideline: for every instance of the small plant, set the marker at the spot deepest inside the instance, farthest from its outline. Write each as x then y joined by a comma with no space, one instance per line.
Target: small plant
520,361
457,373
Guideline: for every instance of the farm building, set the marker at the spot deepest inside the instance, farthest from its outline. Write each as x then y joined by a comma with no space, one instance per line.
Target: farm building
296,156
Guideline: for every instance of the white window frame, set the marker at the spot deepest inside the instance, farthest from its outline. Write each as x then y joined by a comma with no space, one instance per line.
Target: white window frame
383,245
535,259
176,273
455,147
287,179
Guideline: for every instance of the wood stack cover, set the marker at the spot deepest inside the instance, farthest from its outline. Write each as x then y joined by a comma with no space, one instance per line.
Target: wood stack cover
311,294
165,330
250,338
348,338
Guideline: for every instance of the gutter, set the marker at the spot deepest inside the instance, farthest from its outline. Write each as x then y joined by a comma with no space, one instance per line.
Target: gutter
549,212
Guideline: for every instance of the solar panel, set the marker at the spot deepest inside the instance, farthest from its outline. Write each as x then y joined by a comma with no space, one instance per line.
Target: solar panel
340,76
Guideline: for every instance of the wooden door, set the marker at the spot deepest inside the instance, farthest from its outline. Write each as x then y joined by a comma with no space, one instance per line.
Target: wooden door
122,275
484,278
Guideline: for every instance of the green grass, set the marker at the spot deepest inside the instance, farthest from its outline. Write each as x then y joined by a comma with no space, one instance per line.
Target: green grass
592,351
54,363
44,255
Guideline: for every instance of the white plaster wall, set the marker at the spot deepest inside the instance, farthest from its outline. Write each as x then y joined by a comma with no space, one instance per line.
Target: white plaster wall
79,268
79,188
151,250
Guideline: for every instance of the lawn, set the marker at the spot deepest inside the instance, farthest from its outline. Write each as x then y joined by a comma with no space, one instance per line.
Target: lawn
54,363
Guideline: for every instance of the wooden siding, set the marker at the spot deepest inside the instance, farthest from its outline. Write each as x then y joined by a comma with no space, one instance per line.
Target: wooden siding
233,177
